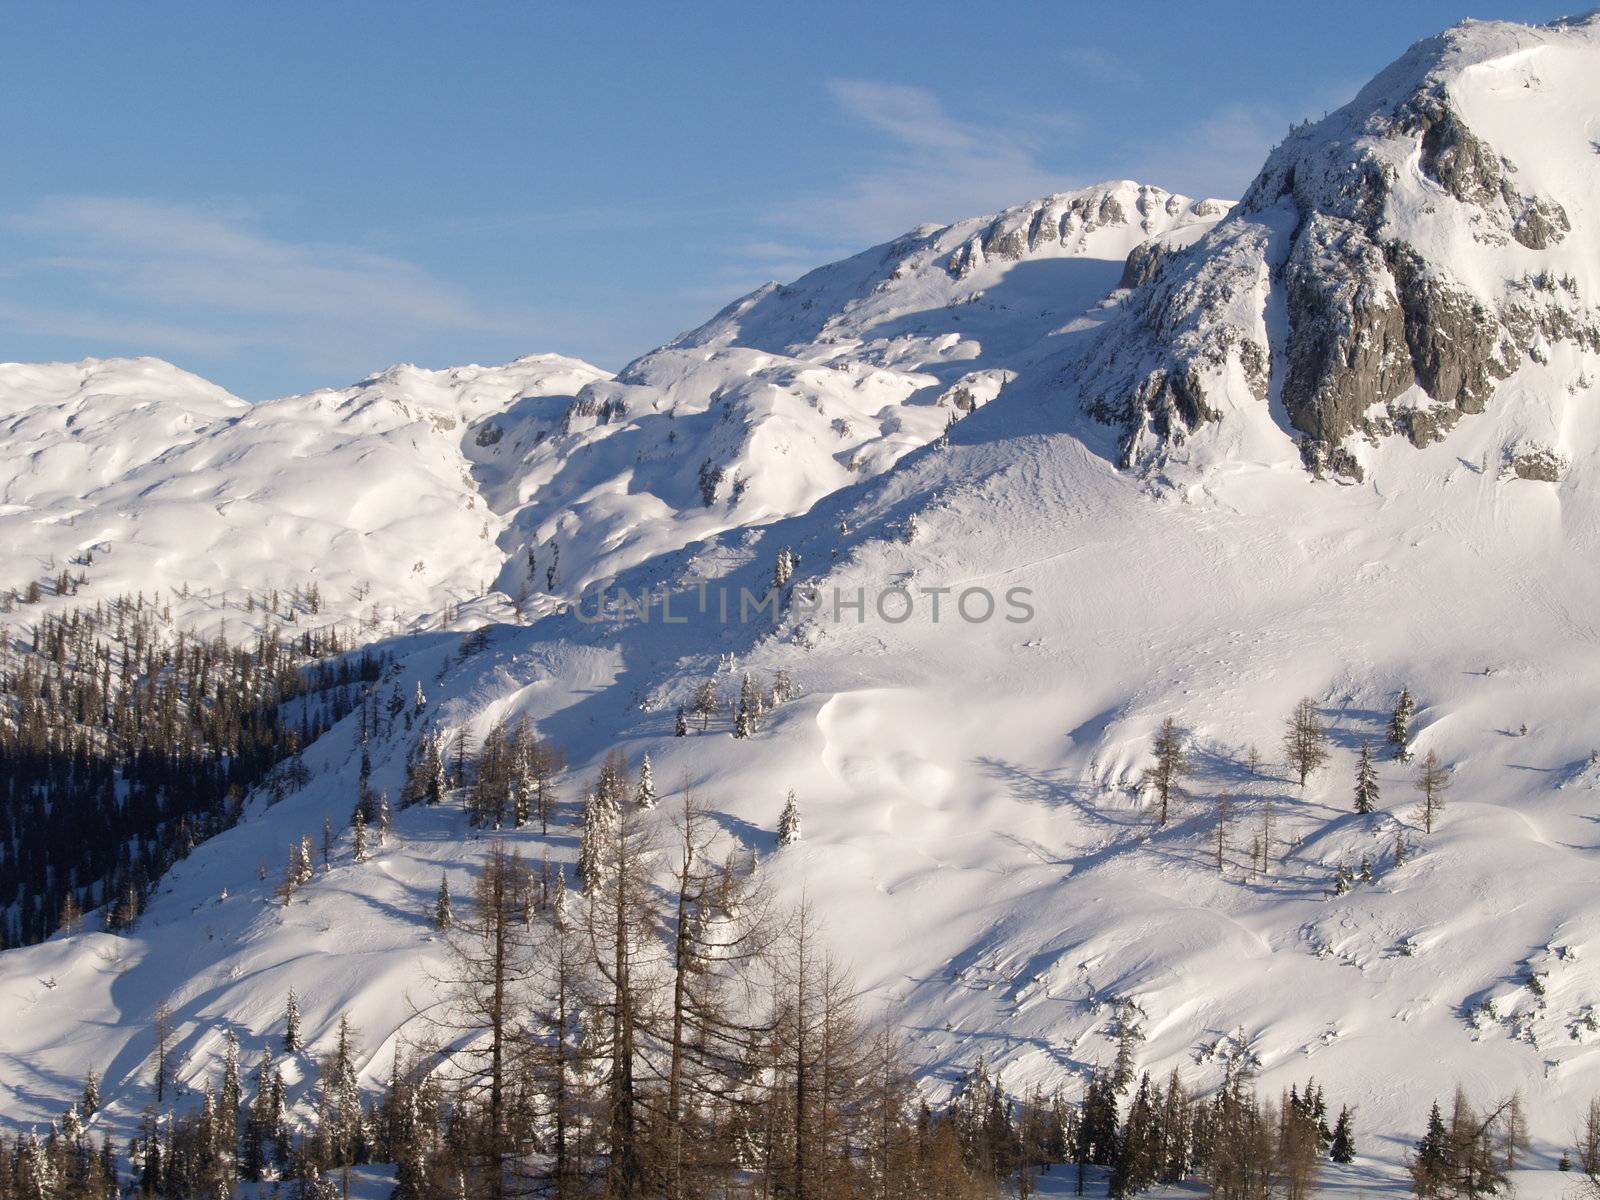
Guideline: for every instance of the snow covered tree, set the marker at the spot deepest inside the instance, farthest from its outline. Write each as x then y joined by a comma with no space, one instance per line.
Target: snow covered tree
645,794
600,816
341,1133
443,915
1433,778
90,1104
783,569
789,821
297,872
1171,765
782,688
523,787
291,1023
358,835
680,724
1305,742
706,703
1366,782
747,716
1128,1031
1400,725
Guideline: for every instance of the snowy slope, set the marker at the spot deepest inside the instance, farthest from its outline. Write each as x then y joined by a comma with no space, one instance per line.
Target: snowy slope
164,481
975,838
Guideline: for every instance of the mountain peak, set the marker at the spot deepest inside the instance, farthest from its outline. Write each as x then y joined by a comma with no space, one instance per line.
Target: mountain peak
1390,267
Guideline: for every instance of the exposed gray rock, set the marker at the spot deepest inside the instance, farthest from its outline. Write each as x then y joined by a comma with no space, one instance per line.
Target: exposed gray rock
1455,341
1141,263
1540,463
1347,347
1543,223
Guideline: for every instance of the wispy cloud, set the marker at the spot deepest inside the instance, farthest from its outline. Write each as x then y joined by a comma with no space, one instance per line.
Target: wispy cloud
136,275
178,256
929,166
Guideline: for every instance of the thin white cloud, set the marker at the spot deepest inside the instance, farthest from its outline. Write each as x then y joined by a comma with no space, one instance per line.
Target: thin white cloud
112,331
932,167
125,275
182,256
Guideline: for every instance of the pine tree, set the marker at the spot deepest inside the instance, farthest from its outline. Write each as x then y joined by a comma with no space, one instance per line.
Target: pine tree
90,1103
1305,743
1343,1147
1400,725
1366,782
291,1023
523,786
161,1026
358,835
1430,1174
600,817
434,785
789,821
680,724
1433,778
443,915
645,795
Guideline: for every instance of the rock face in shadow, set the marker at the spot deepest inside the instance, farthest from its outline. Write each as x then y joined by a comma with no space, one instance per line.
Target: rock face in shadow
1344,282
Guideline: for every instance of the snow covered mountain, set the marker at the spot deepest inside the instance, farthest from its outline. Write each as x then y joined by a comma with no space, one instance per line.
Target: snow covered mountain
415,490
1394,267
977,836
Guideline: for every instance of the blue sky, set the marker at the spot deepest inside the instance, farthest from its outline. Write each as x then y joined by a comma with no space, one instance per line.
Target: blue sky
293,195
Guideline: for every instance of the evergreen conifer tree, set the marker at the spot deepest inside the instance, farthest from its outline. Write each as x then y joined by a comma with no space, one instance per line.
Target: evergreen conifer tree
1343,1146
1400,725
1366,782
443,916
291,1023
789,821
645,794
